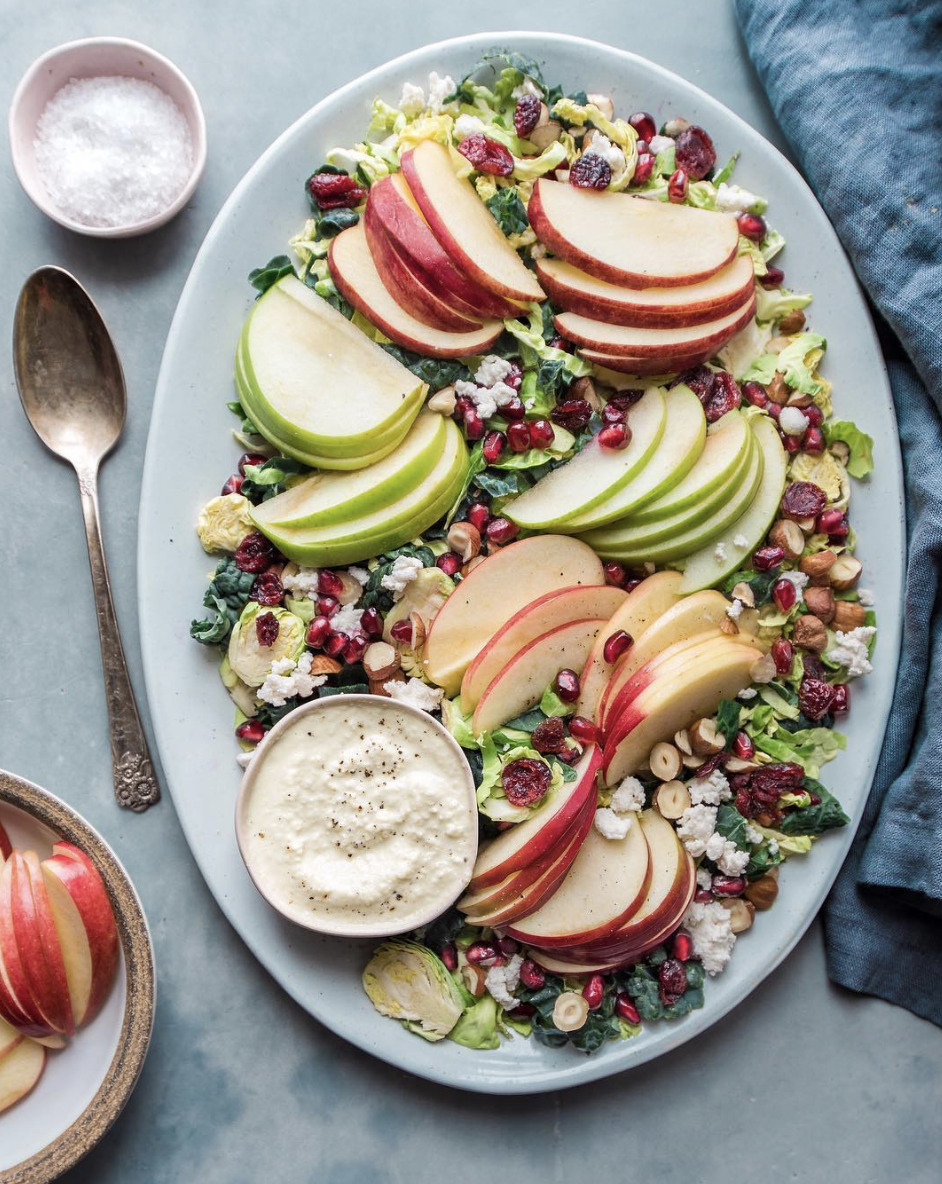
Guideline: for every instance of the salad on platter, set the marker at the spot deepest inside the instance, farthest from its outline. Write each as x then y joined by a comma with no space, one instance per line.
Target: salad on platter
535,440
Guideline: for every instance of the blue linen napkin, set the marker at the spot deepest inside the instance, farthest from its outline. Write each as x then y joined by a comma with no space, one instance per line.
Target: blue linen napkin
857,88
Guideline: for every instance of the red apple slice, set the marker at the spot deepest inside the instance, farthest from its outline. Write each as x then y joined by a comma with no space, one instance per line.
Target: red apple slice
520,685
464,226
73,940
577,291
607,882
9,1036
544,831
20,1002
20,1069
404,288
38,941
630,240
396,210
357,279
644,366
5,845
634,342
555,964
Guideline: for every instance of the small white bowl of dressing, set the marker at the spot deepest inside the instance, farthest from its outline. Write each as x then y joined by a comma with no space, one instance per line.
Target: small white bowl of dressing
357,817
107,136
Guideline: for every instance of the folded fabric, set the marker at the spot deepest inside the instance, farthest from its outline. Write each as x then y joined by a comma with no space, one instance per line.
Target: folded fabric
857,89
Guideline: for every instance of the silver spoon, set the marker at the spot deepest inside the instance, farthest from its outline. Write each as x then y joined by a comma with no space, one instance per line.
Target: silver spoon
72,390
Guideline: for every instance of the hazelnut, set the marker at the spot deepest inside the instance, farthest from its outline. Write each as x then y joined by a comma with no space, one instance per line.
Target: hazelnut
443,401
729,626
665,761
352,588
604,104
816,567
321,664
787,535
585,388
845,572
821,604
799,399
763,669
682,740
418,631
810,634
705,738
848,616
380,661
474,979
546,133
761,893
741,913
777,390
840,451
744,592
692,760
465,538
735,764
570,1011
671,799
792,322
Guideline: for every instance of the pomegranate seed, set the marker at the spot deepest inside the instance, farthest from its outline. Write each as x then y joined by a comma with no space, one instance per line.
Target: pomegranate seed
643,169
252,732
462,404
566,684
677,187
526,115
773,409
743,746
612,413
558,342
792,444
233,485
614,574
449,563
449,955
813,414
481,953
402,632
767,557
630,585
616,436
501,531
682,946
541,433
518,437
532,976
751,226
830,522
318,632
625,1009
729,885
329,583
594,991
250,458
507,946
813,440
672,980
784,594
514,410
327,605
584,730
642,146
371,622
473,425
644,125
572,414
590,172
840,703
783,655
354,650
773,278
754,393
616,645
335,644
515,378
479,516
703,895
494,445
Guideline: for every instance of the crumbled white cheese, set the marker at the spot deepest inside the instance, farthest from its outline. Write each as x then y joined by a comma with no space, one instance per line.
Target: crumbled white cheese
733,199
527,87
850,650
484,402
493,394
659,143
710,790
468,125
866,597
244,758
412,99
301,583
538,251
415,693
773,846
793,421
502,394
704,879
710,928
613,156
754,836
732,861
404,570
492,369
360,574
611,825
628,796
465,390
734,610
719,553
740,540
438,90
346,620
695,827
747,693
502,980
288,678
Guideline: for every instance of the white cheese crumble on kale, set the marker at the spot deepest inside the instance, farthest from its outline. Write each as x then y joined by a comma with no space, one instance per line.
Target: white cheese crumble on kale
704,879
695,827
710,928
747,693
403,571
438,90
360,574
502,980
611,825
527,87
415,693
851,650
492,369
710,790
412,99
288,678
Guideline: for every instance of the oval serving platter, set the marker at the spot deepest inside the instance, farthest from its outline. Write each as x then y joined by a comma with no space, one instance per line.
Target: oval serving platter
85,1086
190,710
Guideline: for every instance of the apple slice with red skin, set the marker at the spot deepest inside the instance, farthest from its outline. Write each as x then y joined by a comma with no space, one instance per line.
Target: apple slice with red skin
82,881
397,212
662,710
577,291
358,281
545,830
522,682
21,1002
6,846
629,240
464,226
20,1068
9,1036
404,288
73,940
645,367
606,884
641,609
38,943
556,964
659,344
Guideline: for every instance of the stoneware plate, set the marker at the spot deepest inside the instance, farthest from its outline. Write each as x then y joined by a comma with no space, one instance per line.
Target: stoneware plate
191,712
84,1086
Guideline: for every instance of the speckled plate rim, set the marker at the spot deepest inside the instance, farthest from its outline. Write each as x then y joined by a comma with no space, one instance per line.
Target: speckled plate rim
67,1148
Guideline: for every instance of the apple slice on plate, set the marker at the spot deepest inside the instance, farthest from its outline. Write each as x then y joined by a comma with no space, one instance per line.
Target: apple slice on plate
659,308
464,226
658,344
5,845
497,590
357,279
20,1068
655,366
594,473
555,964
42,954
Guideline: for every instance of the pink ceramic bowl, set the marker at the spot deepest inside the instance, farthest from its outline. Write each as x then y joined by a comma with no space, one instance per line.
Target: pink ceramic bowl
91,58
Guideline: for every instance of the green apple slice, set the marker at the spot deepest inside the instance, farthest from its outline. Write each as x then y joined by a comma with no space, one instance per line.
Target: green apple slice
730,550
372,533
627,544
726,451
593,474
677,453
328,498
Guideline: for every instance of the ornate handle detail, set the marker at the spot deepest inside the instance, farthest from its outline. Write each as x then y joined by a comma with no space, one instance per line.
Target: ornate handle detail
135,786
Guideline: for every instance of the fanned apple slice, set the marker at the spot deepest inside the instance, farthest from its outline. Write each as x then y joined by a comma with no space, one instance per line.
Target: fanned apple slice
654,366
25,1003
357,279
9,1036
6,846
658,344
20,1069
29,886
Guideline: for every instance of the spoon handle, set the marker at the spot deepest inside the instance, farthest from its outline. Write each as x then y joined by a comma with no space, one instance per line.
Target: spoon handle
135,786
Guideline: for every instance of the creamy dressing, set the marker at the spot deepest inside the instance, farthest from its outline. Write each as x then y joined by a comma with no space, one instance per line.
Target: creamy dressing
359,816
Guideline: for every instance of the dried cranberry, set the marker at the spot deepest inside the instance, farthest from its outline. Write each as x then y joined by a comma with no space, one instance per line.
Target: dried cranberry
616,644
494,445
728,885
590,172
549,737
614,574
840,702
525,781
266,628
644,125
723,398
233,485
815,698
803,499
616,436
783,655
813,667
449,563
532,976
449,955
317,632
626,399
613,413
478,515
751,226
572,414
473,425
584,730
501,531
541,433
767,557
255,553
522,1012
711,763
486,155
518,437
682,946
594,991
677,187
332,191
671,981
267,589
526,115
643,169
567,685
784,593
778,778
250,458
773,278
251,732
694,152
754,394
625,1009
743,747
